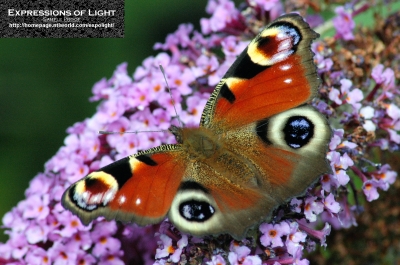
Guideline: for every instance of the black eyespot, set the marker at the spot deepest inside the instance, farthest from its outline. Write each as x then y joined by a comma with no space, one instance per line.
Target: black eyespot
298,131
196,211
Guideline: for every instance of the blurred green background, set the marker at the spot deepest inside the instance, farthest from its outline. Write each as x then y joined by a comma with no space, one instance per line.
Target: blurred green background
45,85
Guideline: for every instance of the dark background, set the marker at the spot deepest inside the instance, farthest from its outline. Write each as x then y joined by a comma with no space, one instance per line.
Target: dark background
45,85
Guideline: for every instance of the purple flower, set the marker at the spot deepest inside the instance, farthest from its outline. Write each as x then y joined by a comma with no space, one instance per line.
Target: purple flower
334,95
183,242
295,238
392,124
252,260
171,104
346,216
232,46
150,64
180,79
85,259
317,234
239,255
194,109
82,239
240,251
312,207
61,254
36,233
217,260
38,256
370,188
36,207
382,77
39,185
103,240
180,37
207,66
297,257
385,174
112,258
354,97
344,24
223,12
340,164
331,205
346,84
314,20
336,139
329,182
167,250
272,234
70,224
322,57
297,204
101,90
267,4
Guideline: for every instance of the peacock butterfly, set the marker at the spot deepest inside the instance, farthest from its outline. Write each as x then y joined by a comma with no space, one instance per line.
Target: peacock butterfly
257,146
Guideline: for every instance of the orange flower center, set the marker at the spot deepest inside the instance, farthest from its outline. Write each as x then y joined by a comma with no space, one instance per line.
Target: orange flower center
272,233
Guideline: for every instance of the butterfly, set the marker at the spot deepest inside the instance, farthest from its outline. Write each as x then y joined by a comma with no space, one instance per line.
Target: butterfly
258,145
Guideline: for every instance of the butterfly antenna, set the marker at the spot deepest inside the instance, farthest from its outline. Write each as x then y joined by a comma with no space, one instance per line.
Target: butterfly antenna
135,132
172,99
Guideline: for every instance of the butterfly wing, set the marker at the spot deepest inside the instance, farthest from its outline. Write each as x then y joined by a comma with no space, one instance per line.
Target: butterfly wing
274,73
254,169
214,205
139,188
273,144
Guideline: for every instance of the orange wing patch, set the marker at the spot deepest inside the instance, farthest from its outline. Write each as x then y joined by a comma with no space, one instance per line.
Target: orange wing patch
151,189
273,74
274,90
232,198
138,188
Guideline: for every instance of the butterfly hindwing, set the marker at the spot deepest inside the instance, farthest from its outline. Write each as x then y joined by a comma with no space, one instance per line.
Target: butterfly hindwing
219,195
138,188
252,171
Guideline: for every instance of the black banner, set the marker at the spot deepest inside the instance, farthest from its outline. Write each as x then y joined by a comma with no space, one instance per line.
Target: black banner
62,19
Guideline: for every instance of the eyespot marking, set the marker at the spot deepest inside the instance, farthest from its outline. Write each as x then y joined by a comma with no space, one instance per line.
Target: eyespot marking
196,211
298,131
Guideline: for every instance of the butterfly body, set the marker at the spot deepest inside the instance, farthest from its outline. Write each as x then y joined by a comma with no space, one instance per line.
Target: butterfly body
258,145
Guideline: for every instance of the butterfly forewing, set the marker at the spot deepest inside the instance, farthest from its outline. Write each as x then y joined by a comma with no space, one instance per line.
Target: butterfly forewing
138,188
273,74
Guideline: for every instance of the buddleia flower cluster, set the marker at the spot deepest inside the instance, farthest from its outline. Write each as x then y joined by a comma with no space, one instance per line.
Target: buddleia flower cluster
359,69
